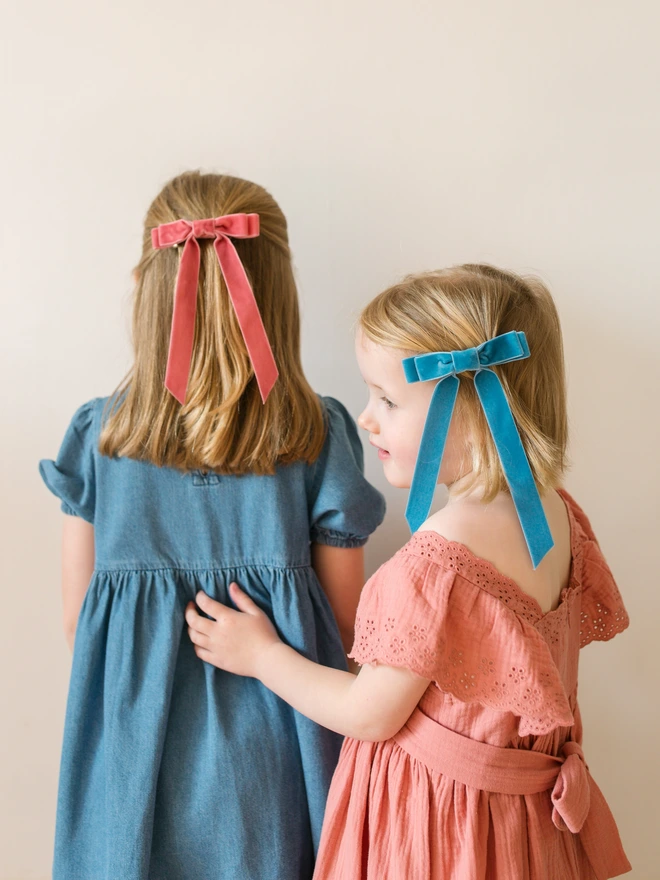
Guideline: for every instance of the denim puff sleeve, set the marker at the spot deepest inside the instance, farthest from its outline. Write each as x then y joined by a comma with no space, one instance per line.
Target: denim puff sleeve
344,508
72,475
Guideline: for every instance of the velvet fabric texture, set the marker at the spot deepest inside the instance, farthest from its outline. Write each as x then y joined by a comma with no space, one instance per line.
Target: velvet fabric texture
222,229
446,365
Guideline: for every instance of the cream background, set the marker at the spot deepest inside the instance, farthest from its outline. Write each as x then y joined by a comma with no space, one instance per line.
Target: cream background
396,137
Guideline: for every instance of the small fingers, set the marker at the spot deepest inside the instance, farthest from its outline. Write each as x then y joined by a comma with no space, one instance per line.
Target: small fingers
242,600
197,637
208,605
203,654
195,620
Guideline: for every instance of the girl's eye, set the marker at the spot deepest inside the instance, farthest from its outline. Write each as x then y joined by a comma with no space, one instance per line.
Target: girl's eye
388,403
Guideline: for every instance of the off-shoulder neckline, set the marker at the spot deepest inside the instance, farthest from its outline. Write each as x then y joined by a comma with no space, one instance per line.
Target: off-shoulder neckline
479,565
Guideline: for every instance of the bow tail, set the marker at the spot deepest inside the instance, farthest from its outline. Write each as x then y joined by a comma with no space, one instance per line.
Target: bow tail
183,322
514,464
432,446
247,313
600,838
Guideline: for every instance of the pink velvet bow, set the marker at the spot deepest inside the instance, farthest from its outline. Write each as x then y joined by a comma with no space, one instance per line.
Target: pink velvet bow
222,229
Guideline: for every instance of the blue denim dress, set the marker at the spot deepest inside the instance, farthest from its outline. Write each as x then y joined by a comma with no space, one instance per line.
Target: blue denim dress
172,769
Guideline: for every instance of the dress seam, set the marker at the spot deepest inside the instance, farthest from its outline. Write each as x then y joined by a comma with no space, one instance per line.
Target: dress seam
207,568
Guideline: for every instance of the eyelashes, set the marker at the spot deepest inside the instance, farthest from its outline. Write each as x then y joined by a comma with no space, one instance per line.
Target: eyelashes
388,403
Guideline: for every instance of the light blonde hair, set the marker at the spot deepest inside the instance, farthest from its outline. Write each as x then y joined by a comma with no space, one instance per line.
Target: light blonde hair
223,426
461,307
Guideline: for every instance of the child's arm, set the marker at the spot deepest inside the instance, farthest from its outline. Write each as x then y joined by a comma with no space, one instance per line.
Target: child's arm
373,705
340,571
77,568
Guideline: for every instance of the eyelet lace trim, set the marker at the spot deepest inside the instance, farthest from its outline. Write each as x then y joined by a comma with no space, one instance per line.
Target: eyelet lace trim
478,571
538,697
596,624
604,625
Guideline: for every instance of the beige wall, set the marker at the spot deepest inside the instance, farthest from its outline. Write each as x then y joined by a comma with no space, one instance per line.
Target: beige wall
397,137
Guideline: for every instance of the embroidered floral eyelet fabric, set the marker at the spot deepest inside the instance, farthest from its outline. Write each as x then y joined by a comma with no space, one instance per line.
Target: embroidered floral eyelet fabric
602,612
450,616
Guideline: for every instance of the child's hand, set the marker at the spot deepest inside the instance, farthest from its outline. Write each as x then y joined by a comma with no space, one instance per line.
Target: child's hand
234,640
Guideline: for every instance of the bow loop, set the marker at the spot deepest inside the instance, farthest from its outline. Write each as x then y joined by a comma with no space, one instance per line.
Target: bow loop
238,225
503,349
571,795
167,234
423,367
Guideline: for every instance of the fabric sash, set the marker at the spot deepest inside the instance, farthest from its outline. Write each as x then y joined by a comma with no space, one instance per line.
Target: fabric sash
578,805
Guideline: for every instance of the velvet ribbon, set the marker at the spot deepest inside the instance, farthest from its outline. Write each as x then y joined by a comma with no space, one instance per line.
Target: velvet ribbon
222,229
445,366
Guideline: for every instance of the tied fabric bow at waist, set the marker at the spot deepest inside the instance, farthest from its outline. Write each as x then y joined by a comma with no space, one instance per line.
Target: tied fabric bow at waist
578,805
222,229
445,366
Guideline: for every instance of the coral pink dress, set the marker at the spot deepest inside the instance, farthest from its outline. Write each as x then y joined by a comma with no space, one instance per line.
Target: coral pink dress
487,779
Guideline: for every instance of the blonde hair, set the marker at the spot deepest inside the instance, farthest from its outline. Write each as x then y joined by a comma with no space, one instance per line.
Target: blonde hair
223,426
461,307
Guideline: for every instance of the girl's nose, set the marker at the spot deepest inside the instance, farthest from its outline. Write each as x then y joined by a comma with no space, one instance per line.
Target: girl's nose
367,422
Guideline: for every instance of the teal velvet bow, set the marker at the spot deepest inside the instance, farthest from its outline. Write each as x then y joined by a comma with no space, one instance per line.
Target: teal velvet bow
445,365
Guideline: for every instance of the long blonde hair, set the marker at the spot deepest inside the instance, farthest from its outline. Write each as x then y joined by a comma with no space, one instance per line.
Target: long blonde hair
461,307
223,426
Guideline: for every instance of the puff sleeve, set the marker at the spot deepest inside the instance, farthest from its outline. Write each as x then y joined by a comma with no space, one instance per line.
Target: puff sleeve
344,508
418,614
71,477
602,612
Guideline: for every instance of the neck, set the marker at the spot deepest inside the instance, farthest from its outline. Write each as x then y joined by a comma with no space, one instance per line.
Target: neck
457,489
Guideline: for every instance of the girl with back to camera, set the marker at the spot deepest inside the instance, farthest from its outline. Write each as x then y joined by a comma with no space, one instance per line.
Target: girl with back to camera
205,466
463,756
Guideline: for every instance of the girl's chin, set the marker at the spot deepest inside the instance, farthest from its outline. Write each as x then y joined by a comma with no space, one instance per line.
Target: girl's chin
397,480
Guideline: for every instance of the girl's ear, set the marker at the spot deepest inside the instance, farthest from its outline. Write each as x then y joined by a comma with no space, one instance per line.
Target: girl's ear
136,276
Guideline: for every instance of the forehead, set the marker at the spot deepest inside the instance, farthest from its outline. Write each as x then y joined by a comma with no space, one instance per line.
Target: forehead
377,363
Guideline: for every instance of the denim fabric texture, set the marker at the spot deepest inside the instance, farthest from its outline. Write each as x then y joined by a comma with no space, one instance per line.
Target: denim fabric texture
172,769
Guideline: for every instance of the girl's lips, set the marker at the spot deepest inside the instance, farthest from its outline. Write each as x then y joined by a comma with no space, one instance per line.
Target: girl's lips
382,453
